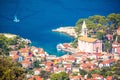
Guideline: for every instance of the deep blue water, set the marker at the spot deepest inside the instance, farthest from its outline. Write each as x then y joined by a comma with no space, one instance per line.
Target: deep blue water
38,17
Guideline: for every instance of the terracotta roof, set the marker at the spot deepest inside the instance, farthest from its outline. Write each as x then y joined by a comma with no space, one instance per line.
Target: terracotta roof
36,78
109,78
98,54
116,42
41,51
66,45
75,77
15,57
71,58
37,69
26,62
118,28
49,63
108,61
87,39
95,76
24,50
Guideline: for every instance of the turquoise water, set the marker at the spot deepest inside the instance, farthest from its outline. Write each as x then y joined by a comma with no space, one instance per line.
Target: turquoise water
39,17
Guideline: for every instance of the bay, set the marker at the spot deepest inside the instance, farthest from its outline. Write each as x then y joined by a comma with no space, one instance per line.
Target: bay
39,17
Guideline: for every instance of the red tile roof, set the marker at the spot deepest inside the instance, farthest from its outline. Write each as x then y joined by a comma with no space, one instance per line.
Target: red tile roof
108,61
118,28
98,54
26,62
15,57
66,45
109,78
24,50
36,78
49,63
71,58
41,51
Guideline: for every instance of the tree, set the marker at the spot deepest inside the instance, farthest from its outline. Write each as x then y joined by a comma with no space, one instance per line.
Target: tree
111,18
100,35
74,43
59,76
118,38
90,25
54,77
64,76
97,19
4,45
89,75
108,46
36,64
83,72
10,70
44,74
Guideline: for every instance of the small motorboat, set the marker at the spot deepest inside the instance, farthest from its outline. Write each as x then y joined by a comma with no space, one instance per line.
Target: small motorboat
16,19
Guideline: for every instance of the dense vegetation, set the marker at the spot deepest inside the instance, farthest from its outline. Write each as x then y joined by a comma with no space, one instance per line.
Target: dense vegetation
10,70
105,71
5,44
98,27
59,76
99,23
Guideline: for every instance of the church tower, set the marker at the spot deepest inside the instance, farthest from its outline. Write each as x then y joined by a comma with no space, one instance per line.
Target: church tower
84,29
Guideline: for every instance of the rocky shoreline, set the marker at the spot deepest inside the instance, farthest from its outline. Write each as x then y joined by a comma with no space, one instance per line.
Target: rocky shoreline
70,30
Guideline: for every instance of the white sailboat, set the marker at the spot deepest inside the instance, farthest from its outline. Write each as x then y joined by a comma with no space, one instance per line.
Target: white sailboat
16,19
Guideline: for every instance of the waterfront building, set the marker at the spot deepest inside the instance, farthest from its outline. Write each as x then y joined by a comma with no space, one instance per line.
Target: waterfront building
88,44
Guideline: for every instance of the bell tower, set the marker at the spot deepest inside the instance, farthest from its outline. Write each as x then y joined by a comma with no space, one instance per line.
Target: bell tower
84,29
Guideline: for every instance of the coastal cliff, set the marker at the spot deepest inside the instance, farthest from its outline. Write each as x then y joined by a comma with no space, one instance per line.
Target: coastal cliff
67,30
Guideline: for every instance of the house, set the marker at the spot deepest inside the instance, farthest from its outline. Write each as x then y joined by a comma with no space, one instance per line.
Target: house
12,53
15,57
26,64
13,47
97,77
115,47
41,52
37,71
24,52
20,58
49,64
58,70
36,78
88,44
70,59
34,49
109,37
88,66
51,57
75,69
118,31
98,55
109,78
117,56
68,67
66,45
107,63
78,77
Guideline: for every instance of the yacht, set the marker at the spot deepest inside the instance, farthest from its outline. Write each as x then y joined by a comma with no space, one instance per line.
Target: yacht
16,19
60,47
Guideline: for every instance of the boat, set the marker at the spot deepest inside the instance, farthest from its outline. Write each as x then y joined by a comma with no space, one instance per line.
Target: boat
60,47
16,19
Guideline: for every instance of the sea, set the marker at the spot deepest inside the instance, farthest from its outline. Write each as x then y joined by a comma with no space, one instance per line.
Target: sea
39,17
